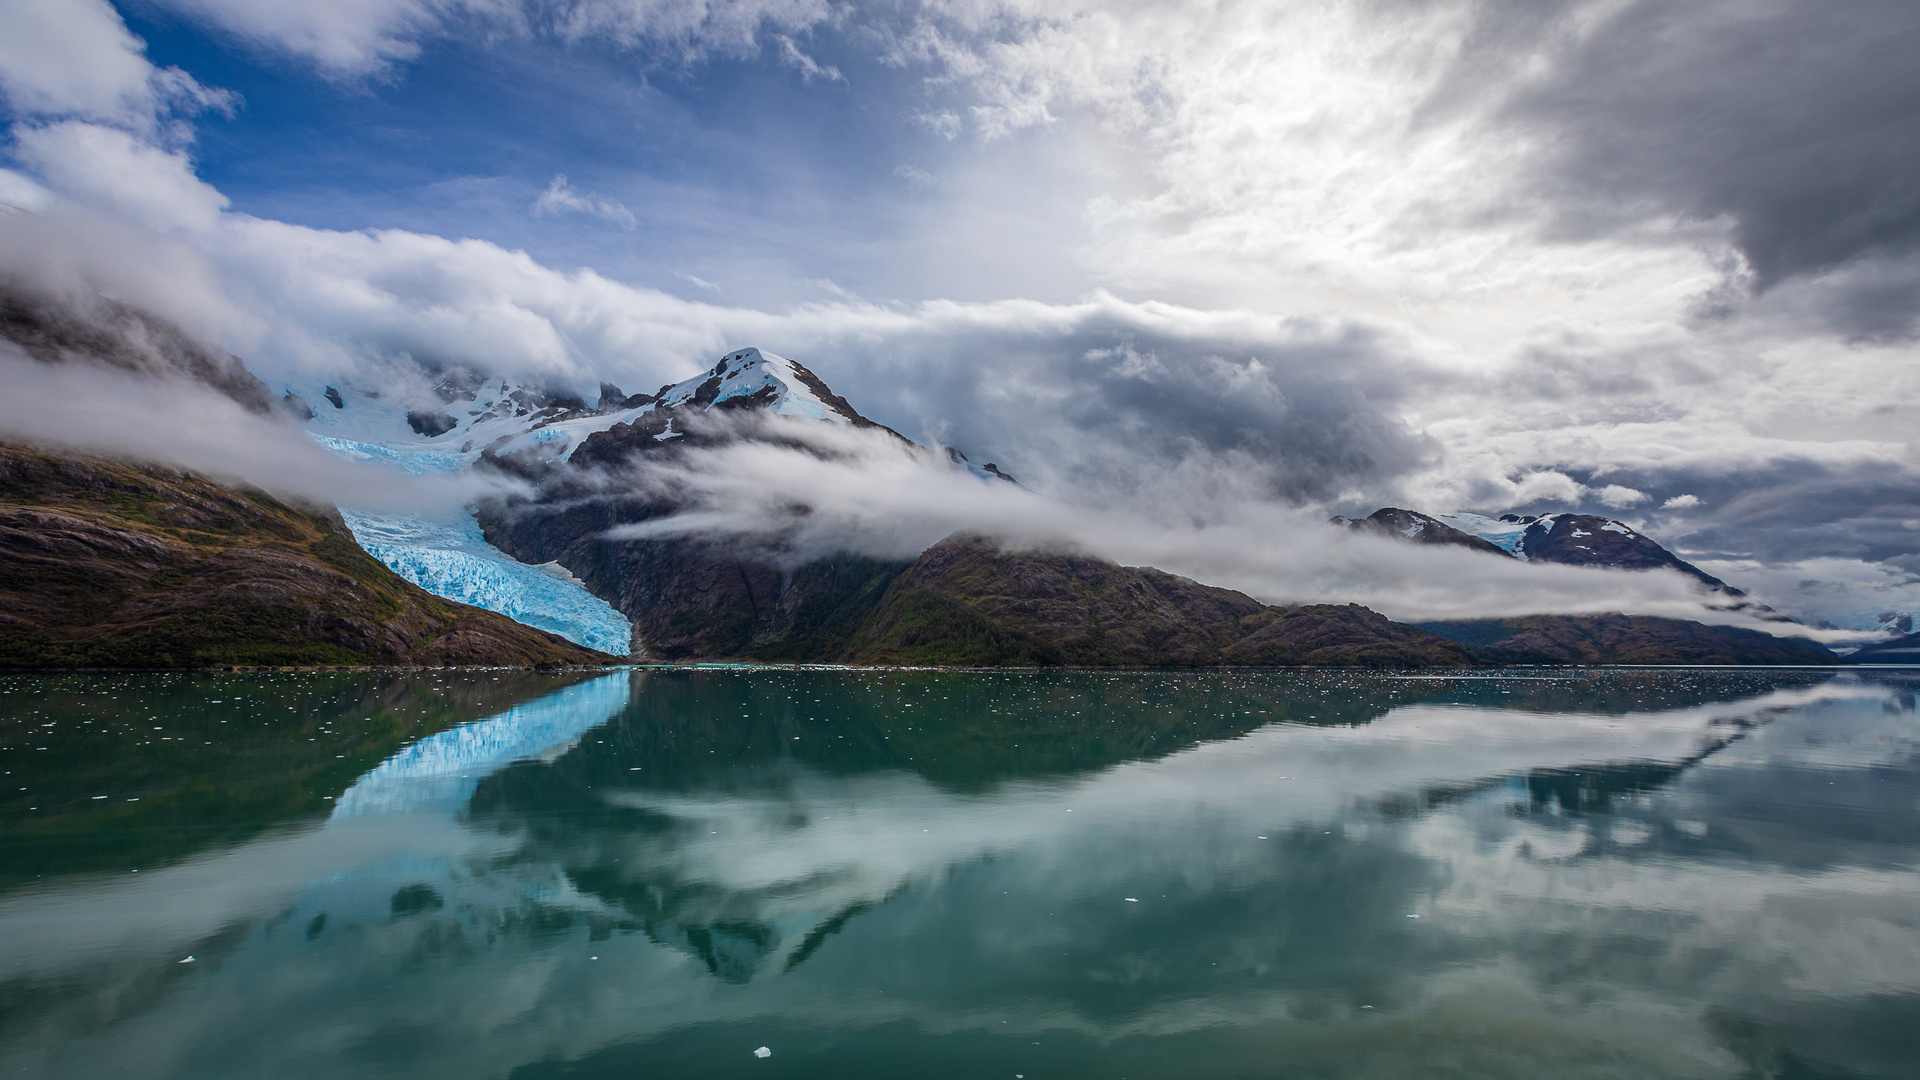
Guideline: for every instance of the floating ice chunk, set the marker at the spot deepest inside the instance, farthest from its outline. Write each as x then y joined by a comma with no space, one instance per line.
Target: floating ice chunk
188,960
763,1052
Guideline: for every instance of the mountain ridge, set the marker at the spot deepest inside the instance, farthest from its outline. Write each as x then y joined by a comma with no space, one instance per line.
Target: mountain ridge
963,599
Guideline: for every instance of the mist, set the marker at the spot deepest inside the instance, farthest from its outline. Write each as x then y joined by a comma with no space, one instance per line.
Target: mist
170,421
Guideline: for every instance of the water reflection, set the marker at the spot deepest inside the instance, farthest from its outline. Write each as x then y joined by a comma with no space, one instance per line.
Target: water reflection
1130,874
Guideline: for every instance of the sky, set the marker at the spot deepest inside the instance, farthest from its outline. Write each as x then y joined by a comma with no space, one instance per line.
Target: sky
1657,259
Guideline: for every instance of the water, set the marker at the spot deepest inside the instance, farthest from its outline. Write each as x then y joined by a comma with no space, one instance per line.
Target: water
1038,875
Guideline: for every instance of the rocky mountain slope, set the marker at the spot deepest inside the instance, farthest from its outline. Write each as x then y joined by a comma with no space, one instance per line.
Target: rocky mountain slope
967,601
1419,528
118,565
1587,540
1567,539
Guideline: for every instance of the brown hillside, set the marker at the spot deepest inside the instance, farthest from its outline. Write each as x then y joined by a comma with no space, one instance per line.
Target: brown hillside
968,602
109,564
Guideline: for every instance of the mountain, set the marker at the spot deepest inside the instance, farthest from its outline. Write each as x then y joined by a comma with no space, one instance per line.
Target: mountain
967,601
1567,539
111,564
1391,521
961,602
1902,650
1623,639
1586,540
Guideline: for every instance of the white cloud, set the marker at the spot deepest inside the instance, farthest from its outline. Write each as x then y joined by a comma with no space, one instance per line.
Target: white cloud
1619,497
824,488
21,192
342,37
913,175
561,198
86,408
809,69
352,38
77,58
108,166
1681,502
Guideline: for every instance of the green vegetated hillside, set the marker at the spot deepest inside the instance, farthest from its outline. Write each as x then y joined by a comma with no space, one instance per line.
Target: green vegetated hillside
1624,639
111,564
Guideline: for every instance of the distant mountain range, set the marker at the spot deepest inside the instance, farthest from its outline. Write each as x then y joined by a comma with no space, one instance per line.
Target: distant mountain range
963,601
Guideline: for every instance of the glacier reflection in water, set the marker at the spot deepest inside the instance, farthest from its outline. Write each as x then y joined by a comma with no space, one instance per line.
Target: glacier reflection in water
1523,874
442,769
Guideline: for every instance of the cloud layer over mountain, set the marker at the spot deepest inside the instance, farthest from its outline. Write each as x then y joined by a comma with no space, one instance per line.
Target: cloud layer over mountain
1197,264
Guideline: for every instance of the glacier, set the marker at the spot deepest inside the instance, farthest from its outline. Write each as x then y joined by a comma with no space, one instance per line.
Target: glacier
1505,535
450,558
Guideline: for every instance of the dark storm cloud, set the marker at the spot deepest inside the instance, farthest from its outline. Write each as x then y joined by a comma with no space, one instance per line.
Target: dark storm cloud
1796,122
1116,398
1779,511
1867,511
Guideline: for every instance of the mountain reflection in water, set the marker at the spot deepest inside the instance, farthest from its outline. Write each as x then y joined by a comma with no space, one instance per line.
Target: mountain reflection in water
1623,873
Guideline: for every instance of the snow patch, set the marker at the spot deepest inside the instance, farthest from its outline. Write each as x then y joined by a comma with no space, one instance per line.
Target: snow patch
563,437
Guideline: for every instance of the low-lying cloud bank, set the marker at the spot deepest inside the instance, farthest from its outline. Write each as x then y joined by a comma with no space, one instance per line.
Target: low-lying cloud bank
167,420
815,490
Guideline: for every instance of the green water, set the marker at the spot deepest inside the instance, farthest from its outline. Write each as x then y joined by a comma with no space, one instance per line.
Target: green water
1038,875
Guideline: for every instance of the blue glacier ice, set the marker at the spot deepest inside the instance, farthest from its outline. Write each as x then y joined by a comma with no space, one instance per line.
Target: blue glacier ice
450,558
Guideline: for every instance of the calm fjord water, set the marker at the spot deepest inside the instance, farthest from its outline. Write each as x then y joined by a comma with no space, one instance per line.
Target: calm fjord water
1039,875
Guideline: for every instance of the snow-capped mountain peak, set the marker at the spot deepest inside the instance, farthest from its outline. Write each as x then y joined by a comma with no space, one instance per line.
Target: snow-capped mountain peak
772,382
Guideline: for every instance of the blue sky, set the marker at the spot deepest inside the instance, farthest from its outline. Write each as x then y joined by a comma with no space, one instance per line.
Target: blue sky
738,170
1651,258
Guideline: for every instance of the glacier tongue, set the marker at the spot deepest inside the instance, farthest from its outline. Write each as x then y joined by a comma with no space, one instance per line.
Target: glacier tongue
1505,535
450,558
